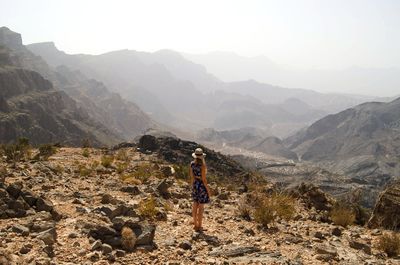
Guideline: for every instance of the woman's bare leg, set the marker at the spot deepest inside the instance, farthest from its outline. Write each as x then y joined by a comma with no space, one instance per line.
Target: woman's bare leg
194,213
200,215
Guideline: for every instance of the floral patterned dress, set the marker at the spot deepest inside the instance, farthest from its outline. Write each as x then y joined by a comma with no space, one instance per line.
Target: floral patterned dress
199,191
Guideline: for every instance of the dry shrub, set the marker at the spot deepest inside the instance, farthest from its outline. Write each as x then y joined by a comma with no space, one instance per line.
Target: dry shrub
147,208
342,215
46,150
181,171
143,172
107,160
85,152
17,151
121,167
122,155
277,205
244,210
168,206
128,239
130,179
84,171
389,243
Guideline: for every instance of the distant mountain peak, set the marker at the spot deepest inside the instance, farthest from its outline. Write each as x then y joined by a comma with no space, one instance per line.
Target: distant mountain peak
10,38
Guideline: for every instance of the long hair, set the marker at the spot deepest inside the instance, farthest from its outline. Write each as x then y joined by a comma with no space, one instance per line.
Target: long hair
198,161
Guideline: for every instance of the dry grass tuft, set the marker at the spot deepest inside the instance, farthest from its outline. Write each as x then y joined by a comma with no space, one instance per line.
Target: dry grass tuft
390,244
277,205
342,215
128,239
147,208
107,160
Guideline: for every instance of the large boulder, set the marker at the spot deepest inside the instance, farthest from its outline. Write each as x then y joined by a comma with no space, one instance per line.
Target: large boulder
387,209
312,196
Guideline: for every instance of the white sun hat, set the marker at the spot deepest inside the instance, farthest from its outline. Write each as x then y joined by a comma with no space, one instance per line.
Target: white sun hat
198,153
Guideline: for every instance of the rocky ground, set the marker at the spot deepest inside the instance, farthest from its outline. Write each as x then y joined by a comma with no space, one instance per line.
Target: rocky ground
71,209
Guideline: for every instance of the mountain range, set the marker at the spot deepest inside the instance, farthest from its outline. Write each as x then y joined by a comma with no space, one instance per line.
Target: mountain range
231,67
47,104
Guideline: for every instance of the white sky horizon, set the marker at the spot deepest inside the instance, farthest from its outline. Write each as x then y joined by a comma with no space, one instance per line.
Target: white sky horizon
295,34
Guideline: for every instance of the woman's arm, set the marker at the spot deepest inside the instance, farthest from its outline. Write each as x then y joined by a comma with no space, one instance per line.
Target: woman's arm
203,176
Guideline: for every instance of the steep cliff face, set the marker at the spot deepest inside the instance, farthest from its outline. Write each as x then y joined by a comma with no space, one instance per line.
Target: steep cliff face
31,107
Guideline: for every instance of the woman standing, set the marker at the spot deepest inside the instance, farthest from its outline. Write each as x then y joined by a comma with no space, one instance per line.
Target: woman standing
200,190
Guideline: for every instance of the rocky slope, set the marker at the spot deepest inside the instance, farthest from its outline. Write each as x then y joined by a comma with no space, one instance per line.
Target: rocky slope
32,108
71,209
362,142
123,118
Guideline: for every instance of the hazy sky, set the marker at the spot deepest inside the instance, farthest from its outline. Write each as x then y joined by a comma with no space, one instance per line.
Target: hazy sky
299,33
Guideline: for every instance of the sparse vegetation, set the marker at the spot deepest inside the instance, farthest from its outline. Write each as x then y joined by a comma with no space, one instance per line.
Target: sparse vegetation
121,167
147,208
85,152
130,179
278,205
107,160
84,171
181,171
122,155
390,244
244,210
168,206
143,172
46,150
342,215
17,151
128,239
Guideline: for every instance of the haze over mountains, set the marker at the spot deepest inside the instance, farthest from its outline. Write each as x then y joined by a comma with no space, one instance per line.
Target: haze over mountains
229,66
182,94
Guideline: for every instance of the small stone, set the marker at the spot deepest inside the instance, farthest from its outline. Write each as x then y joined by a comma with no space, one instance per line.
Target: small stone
319,235
185,245
96,245
134,190
120,253
106,249
360,246
20,229
72,235
49,236
337,231
25,248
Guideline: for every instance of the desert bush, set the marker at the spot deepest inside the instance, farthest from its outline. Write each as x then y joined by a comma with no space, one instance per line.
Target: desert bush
19,150
128,239
46,150
107,160
168,206
244,210
147,208
84,171
122,155
181,171
389,243
277,205
342,215
121,167
85,152
143,172
130,179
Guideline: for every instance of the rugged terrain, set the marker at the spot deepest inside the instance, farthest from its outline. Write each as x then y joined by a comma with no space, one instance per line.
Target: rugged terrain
70,209
102,116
